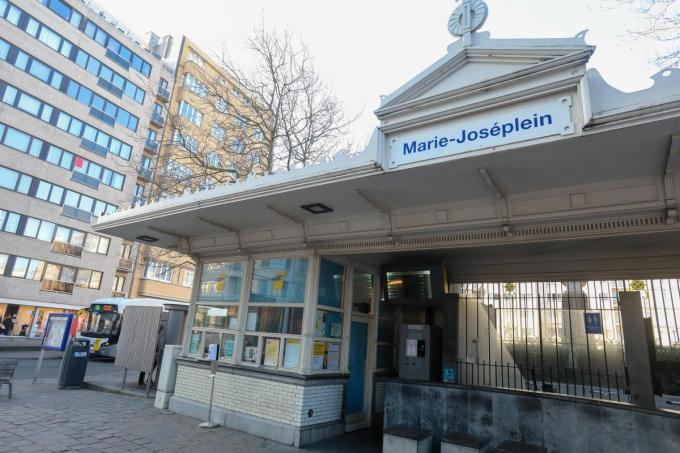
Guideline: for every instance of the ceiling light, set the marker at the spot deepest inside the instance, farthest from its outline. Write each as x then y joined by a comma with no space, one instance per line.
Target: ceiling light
146,238
317,208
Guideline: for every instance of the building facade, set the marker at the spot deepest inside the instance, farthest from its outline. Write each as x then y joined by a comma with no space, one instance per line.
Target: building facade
539,194
201,144
77,90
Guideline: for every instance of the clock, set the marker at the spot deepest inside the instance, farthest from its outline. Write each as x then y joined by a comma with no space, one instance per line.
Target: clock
460,22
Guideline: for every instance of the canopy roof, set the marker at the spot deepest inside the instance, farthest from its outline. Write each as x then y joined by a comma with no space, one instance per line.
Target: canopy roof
613,163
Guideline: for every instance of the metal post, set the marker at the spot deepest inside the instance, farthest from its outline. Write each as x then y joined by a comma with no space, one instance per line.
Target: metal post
212,375
38,366
122,386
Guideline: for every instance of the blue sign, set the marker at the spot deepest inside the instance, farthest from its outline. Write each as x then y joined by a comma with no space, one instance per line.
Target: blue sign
57,331
593,323
449,375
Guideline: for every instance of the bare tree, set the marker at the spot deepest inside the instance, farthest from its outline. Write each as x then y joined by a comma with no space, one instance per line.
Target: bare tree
273,114
660,22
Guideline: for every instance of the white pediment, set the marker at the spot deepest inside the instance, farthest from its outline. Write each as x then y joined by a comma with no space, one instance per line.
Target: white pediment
486,61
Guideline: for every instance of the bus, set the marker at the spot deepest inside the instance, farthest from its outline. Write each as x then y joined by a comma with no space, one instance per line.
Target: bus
100,323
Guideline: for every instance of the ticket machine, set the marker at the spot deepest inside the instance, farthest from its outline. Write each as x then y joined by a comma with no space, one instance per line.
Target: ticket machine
420,352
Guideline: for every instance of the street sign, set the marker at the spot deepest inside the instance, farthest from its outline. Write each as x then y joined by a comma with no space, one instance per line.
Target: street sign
593,323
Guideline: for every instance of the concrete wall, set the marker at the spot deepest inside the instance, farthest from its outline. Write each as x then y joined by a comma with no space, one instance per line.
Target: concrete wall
561,424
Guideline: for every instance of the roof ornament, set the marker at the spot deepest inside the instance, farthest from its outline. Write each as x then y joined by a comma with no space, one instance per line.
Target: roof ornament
466,18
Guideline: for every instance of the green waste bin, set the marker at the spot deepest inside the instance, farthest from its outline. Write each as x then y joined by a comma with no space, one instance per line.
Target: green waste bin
74,364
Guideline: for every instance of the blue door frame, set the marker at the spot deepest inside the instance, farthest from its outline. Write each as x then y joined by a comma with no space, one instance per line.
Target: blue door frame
355,391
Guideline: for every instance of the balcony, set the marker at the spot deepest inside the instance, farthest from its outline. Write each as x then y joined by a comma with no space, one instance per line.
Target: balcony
75,213
151,145
85,179
118,294
157,119
124,264
110,87
163,94
67,249
120,61
145,173
57,286
105,117
94,147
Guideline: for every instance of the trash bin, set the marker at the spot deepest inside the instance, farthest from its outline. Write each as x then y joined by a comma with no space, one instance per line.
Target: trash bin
74,364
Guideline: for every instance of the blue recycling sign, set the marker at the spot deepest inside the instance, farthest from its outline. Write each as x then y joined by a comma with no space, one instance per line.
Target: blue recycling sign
593,323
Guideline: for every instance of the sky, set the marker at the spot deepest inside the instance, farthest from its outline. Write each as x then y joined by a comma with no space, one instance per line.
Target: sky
367,48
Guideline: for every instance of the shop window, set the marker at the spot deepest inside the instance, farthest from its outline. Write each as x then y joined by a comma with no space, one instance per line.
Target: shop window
362,292
221,282
208,339
250,348
326,355
280,280
331,279
195,342
328,324
227,346
216,317
286,320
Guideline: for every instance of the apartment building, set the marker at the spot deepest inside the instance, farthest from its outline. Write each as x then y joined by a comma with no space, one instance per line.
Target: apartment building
79,92
205,141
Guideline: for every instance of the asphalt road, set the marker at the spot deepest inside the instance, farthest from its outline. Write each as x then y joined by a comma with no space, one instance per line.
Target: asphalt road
50,368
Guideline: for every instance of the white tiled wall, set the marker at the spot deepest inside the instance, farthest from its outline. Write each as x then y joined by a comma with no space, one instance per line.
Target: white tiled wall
276,401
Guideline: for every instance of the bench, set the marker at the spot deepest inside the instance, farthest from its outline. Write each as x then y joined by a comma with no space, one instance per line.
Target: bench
459,442
406,439
7,368
511,446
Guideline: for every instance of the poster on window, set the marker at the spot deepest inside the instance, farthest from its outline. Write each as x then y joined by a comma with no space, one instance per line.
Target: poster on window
320,327
271,352
291,355
57,331
317,355
333,356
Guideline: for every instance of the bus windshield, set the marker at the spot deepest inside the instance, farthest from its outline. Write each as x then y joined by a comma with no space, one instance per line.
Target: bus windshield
101,324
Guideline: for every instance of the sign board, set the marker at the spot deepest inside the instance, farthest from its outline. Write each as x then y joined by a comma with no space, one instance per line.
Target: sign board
527,121
57,331
593,323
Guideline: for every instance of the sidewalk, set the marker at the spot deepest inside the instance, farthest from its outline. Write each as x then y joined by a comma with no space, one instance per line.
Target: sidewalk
25,354
19,343
41,418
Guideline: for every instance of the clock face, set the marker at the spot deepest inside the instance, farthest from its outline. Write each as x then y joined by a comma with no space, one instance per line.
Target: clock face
478,13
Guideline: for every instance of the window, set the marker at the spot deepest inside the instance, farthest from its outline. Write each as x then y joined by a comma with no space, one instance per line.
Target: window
188,278
64,121
196,58
237,146
156,270
3,262
125,250
280,280
213,159
221,282
178,172
221,105
88,279
217,132
329,317
190,112
186,141
195,85
12,180
97,244
118,283
275,310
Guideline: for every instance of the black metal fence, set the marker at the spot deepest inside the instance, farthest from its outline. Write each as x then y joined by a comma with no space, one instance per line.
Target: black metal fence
535,335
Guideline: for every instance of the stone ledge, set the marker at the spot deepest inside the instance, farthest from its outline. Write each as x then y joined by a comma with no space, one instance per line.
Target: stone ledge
305,380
